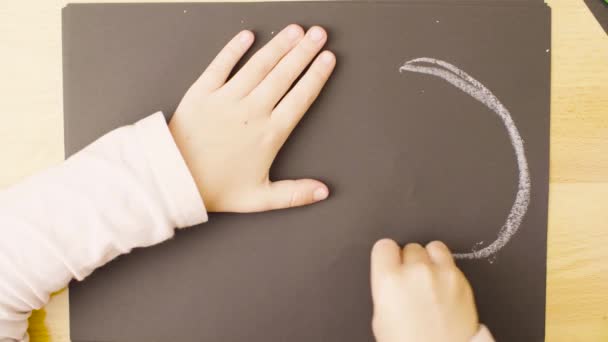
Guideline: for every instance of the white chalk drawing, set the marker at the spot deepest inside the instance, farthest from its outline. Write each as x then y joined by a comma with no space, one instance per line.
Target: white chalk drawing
478,91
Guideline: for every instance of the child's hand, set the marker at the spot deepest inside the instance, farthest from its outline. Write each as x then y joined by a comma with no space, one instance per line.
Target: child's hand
230,132
420,295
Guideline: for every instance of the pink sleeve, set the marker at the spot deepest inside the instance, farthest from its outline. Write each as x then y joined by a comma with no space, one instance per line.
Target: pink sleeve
483,335
128,189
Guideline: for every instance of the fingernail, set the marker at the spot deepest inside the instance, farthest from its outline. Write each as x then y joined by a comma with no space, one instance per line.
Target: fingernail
327,58
245,37
316,34
293,32
320,194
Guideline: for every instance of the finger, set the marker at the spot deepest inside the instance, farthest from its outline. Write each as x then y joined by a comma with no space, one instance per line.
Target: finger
385,261
294,193
278,81
256,69
414,253
218,71
439,253
291,109
386,257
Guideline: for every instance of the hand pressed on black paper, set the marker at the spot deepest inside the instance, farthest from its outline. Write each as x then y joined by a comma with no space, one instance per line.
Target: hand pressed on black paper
419,294
229,132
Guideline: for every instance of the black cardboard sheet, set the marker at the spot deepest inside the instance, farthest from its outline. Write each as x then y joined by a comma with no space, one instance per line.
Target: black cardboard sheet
599,8
406,155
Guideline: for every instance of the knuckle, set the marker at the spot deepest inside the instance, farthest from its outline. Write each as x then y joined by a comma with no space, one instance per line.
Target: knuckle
389,277
291,197
232,53
281,128
218,69
215,68
453,278
271,138
225,60
264,62
308,96
295,197
255,105
308,47
306,100
282,46
420,271
291,72
388,281
318,74
283,77
267,57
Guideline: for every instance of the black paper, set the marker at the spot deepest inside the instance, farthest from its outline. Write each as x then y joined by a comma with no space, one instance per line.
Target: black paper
599,8
406,156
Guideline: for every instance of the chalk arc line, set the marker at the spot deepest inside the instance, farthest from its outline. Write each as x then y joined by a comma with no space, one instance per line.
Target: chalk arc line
479,92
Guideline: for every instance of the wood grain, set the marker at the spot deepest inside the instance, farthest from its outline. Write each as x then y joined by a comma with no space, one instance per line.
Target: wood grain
31,139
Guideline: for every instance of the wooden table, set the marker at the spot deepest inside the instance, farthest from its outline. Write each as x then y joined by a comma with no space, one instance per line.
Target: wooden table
31,139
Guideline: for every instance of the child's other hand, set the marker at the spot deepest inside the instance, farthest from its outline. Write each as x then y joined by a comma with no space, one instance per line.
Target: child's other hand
230,132
420,295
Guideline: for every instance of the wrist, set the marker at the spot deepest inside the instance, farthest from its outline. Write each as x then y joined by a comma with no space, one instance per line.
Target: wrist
169,167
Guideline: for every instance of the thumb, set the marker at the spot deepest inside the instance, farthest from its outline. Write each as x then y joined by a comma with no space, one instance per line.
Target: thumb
295,193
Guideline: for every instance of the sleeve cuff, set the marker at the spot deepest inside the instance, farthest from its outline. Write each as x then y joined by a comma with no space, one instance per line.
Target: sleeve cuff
483,335
172,175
